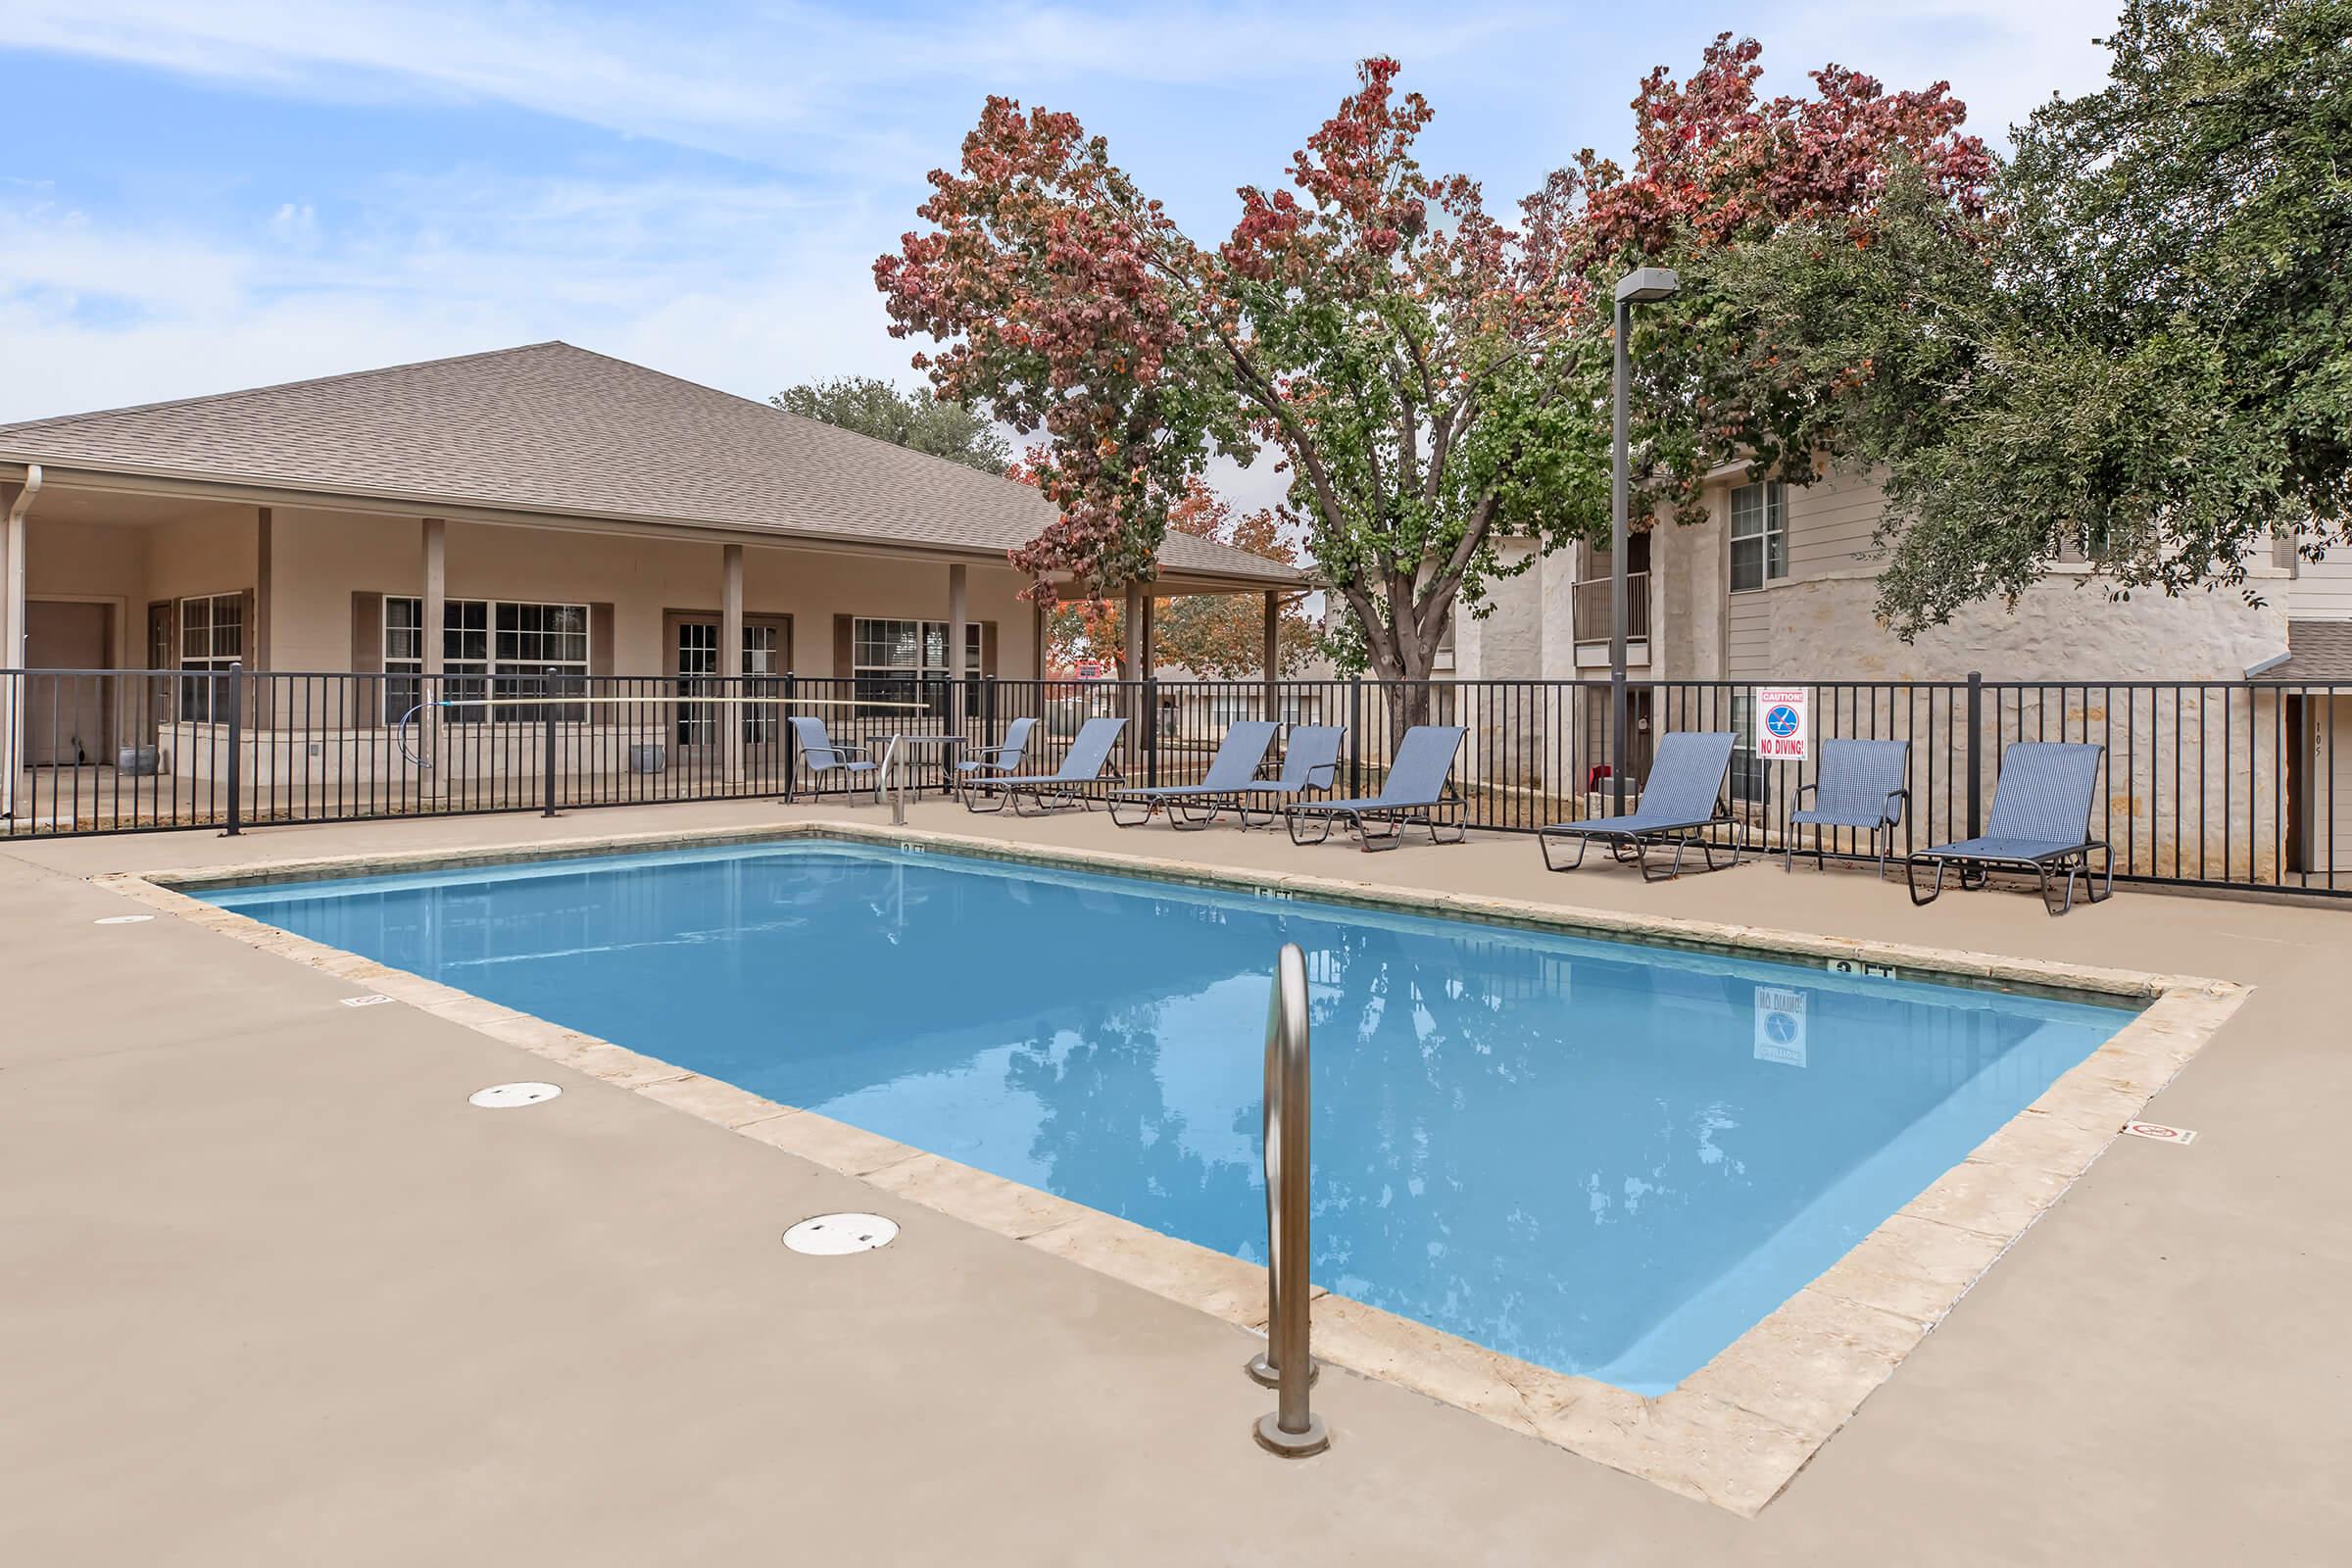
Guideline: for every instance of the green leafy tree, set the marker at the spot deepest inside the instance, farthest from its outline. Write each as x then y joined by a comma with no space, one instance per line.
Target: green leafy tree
918,419
2146,358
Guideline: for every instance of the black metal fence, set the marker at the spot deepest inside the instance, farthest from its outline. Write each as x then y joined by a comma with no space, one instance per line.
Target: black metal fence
2212,784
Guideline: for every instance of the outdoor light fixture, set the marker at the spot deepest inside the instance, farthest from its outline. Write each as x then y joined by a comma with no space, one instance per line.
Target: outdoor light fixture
1642,286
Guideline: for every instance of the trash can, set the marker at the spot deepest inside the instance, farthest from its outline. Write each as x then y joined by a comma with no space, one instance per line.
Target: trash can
647,758
139,761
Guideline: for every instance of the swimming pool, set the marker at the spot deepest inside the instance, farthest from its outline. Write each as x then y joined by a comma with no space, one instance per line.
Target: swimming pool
1603,1157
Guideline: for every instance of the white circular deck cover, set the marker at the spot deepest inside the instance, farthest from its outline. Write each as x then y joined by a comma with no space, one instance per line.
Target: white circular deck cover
506,1096
838,1235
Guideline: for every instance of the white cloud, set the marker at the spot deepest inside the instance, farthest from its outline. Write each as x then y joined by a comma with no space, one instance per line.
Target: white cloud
759,81
745,286
2003,58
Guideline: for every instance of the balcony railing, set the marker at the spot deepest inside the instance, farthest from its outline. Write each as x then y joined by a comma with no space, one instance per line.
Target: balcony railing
1592,607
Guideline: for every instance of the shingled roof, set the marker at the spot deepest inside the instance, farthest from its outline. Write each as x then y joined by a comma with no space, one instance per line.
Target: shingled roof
555,430
2317,650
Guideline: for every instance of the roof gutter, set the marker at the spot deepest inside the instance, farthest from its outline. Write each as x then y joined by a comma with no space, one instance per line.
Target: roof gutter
2257,672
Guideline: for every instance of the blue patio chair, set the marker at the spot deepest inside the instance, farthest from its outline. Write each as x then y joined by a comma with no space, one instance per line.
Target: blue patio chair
1864,786
822,754
1310,760
1680,801
1239,756
1418,789
988,762
2040,822
1085,768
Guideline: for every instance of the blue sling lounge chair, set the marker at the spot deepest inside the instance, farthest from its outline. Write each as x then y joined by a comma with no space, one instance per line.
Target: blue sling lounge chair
1239,756
1086,767
1310,760
1417,789
1681,800
2040,822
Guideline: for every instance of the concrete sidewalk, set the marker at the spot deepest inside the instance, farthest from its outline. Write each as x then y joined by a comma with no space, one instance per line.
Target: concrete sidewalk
274,1294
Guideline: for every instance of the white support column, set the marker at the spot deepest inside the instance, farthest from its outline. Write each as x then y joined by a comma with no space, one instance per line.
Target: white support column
433,613
730,660
16,499
959,620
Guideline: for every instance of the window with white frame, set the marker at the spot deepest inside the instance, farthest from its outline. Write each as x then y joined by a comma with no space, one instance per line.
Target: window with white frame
1760,535
496,648
890,657
212,637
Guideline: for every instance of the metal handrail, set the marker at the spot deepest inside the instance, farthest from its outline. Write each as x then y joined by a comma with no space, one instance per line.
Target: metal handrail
1292,1429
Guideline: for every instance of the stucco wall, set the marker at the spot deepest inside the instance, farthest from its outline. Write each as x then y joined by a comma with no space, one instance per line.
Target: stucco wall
2064,628
320,559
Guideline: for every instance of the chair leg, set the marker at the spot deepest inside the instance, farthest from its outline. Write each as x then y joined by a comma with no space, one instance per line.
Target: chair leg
1911,881
1584,840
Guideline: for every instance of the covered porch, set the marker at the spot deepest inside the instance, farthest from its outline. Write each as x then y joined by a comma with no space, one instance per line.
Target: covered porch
130,603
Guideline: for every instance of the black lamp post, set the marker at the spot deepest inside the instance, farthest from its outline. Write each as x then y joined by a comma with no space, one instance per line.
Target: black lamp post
1637,287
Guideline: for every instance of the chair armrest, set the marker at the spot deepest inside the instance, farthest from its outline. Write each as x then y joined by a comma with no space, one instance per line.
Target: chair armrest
1893,812
1802,790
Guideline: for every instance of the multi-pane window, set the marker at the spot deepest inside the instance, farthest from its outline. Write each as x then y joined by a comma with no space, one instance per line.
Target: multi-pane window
1759,536
212,637
891,657
496,648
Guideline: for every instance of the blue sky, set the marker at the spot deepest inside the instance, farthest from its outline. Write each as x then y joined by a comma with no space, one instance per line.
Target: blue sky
196,196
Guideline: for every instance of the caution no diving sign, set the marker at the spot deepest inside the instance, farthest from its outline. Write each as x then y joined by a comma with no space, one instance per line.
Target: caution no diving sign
1784,723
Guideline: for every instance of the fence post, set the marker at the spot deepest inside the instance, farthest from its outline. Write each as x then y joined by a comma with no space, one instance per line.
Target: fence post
1355,737
546,711
1975,772
1620,740
236,747
792,766
1152,732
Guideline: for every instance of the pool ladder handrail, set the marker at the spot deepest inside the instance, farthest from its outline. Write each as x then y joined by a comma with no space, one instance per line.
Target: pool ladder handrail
1286,1365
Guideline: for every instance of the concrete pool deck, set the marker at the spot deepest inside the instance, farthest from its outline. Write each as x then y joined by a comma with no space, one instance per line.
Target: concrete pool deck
269,1302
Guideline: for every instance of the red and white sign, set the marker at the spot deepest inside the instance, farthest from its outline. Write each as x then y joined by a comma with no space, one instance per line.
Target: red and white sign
1784,723
2159,1131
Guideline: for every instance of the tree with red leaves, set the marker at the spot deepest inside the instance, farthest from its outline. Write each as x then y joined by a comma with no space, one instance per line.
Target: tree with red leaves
1717,172
1432,379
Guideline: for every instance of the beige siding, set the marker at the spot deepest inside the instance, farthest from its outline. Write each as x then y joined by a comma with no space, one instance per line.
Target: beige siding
212,552
1747,642
1831,526
2322,589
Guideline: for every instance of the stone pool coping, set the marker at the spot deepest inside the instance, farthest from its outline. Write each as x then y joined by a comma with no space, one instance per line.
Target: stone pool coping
1732,1434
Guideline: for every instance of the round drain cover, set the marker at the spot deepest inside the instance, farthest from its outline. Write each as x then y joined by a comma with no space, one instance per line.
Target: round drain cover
505,1097
837,1235
123,919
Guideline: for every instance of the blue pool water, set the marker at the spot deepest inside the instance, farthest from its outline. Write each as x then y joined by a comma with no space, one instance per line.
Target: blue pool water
1603,1157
